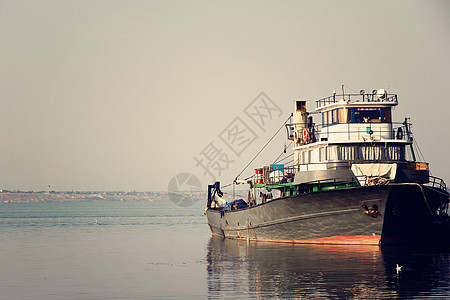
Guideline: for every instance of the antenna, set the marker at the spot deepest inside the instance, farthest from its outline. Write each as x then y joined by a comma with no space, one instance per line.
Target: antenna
342,89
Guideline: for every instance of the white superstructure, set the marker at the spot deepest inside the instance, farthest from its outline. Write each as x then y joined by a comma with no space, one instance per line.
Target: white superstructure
354,129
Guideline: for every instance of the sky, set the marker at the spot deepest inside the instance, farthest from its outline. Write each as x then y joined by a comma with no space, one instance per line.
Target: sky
127,95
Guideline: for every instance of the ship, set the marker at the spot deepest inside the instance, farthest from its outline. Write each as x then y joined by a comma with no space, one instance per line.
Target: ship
354,179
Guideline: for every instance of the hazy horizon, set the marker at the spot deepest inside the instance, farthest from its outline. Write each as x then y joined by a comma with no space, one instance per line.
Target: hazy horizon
124,95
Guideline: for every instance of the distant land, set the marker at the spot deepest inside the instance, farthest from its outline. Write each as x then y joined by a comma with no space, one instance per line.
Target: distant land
52,196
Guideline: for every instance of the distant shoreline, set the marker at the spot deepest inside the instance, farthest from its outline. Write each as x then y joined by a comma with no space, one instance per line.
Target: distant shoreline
29,197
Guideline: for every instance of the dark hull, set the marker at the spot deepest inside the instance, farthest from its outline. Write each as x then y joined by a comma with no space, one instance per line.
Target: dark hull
398,213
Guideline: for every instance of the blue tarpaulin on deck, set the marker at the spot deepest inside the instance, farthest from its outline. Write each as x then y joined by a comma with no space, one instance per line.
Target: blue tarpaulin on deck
234,205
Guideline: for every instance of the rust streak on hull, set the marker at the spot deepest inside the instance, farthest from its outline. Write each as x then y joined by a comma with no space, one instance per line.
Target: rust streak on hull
335,240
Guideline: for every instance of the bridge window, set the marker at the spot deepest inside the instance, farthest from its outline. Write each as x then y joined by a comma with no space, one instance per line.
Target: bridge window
386,115
325,118
342,115
370,115
333,116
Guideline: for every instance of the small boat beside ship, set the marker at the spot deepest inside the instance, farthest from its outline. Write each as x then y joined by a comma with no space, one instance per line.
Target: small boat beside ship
351,182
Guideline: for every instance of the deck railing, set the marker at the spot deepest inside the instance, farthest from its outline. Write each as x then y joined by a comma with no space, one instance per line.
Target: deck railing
333,182
437,182
287,174
335,98
329,182
320,132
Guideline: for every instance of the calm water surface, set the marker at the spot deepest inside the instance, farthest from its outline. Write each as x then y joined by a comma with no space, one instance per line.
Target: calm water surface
148,250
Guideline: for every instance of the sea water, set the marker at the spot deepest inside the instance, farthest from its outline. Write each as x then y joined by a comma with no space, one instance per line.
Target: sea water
154,250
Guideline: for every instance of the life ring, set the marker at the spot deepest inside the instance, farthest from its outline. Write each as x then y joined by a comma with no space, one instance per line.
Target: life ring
305,135
295,135
399,134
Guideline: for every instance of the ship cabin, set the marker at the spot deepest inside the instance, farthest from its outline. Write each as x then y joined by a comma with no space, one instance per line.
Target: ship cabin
356,144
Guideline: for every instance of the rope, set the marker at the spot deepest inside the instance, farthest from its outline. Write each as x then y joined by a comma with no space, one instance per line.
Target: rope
226,198
421,156
276,160
235,195
350,88
249,177
290,156
424,197
245,168
287,164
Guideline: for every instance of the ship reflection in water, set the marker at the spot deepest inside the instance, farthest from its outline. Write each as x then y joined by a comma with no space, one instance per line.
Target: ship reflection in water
237,268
